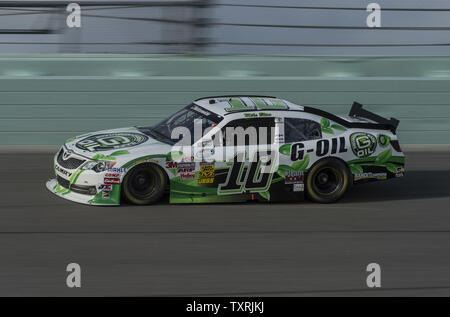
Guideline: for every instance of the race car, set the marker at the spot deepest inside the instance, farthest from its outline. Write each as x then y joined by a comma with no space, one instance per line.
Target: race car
231,149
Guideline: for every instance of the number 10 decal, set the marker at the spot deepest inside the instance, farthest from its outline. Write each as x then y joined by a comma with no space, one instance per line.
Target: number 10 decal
255,178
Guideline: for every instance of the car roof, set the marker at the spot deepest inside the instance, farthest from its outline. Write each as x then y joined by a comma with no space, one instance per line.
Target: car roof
223,105
235,104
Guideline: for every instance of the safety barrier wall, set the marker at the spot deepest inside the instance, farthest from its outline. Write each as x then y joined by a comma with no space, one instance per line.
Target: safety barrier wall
44,99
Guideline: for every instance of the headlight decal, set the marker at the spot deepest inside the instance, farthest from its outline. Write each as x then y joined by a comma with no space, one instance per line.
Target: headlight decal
97,166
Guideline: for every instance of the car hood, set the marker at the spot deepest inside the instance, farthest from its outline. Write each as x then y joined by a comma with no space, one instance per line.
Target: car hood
124,142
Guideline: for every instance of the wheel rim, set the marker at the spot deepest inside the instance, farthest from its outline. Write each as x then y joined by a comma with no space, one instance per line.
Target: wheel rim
327,181
142,184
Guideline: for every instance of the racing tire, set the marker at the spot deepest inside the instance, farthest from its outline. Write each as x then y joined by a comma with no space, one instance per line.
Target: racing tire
144,184
327,181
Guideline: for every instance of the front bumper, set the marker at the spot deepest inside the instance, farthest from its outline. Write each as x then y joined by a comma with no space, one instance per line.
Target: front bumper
100,199
83,186
55,188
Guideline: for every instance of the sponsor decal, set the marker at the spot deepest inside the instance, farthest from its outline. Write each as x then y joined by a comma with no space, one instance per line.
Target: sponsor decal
117,170
363,144
114,175
111,141
298,187
106,190
186,165
206,175
105,187
322,148
177,164
370,175
63,171
186,175
112,179
186,170
171,164
293,177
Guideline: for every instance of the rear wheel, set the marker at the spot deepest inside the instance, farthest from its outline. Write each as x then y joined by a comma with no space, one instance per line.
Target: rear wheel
144,184
327,181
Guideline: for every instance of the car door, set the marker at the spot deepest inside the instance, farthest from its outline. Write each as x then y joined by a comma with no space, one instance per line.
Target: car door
244,152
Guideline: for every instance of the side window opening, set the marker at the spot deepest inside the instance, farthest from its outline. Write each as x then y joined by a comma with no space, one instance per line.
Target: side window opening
297,129
248,125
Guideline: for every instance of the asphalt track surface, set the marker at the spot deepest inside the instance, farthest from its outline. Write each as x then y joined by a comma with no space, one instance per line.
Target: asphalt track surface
228,249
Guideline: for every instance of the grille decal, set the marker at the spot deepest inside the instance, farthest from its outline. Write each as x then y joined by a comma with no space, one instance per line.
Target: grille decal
69,163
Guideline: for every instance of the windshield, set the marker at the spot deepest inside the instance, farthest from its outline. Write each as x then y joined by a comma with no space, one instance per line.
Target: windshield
185,118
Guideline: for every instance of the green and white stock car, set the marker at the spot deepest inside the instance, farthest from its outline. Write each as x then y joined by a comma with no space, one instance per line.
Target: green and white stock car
298,151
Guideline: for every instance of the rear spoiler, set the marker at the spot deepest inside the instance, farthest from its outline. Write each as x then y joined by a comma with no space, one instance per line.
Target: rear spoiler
358,111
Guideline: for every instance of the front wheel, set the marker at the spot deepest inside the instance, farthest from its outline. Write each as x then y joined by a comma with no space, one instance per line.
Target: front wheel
144,184
327,181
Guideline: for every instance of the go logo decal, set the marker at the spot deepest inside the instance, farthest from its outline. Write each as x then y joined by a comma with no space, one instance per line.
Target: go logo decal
111,141
363,144
254,179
